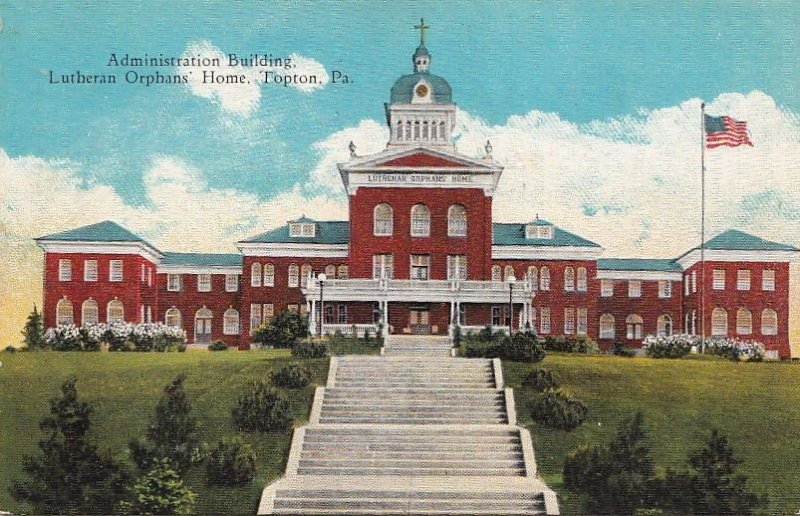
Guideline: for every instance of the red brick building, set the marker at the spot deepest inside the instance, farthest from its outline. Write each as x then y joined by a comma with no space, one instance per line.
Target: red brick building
420,253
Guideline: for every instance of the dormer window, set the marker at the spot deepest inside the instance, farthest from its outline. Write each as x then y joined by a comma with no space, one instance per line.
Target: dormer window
544,231
302,229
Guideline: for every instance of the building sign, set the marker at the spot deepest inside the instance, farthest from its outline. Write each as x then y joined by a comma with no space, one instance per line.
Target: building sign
420,178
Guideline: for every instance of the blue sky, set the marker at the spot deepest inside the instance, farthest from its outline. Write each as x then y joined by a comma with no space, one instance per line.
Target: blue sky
584,61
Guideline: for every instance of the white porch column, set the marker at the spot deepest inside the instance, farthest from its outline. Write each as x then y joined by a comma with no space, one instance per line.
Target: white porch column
312,318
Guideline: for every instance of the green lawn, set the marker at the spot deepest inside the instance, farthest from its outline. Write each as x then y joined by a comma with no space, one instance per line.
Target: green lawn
756,405
124,389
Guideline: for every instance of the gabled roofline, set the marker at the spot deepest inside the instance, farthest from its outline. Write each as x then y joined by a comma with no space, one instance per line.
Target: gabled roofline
365,163
99,247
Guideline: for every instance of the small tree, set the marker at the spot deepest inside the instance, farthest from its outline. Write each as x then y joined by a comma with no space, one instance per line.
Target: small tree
283,331
261,409
232,462
33,332
171,435
70,475
160,491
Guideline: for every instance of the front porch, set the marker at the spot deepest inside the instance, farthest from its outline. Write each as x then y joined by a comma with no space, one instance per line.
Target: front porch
434,307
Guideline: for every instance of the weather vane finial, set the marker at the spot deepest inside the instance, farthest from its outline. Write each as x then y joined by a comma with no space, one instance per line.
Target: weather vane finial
422,28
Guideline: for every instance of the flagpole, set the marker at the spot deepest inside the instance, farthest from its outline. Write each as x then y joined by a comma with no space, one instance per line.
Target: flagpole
703,226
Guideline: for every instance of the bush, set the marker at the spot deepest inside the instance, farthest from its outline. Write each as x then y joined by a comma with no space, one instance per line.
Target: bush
735,349
556,409
116,336
292,376
570,344
522,348
540,380
478,349
232,462
309,349
283,331
621,350
10,349
160,491
218,346
261,409
669,346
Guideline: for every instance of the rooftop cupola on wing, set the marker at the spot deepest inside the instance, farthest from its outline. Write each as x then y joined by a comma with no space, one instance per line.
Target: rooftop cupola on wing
421,110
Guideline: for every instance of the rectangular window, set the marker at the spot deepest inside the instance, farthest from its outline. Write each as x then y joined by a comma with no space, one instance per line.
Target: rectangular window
420,266
204,282
149,314
382,266
582,279
569,321
457,267
293,308
342,313
634,288
462,314
269,311
115,270
231,282
664,289
90,270
583,321
294,276
149,277
686,285
143,273
497,316
255,316
269,275
544,320
743,279
174,282
606,288
64,270
768,280
718,279
694,282
329,314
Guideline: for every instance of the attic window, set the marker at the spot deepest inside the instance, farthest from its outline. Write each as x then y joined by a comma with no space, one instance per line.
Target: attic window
538,231
302,229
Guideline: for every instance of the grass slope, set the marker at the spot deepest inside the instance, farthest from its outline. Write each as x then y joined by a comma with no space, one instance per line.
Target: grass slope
756,405
124,389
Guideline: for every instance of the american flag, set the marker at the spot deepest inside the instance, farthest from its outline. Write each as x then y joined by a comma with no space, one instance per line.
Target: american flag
724,130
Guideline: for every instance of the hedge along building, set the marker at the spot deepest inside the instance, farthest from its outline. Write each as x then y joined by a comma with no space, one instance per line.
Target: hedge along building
421,254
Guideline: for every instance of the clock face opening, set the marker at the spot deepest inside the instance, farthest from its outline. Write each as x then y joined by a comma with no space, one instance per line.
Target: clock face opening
422,90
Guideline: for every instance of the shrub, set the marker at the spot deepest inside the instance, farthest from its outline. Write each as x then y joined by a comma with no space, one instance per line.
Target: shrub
478,349
522,348
735,349
10,349
570,344
33,332
292,376
540,380
283,331
669,346
309,349
182,348
261,409
232,462
556,409
160,491
218,346
621,350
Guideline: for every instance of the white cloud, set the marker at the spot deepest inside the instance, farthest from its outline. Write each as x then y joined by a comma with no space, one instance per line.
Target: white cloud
243,98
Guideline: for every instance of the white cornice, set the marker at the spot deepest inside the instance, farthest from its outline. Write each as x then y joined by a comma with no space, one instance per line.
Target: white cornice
287,250
528,252
78,247
720,255
374,161
198,269
640,275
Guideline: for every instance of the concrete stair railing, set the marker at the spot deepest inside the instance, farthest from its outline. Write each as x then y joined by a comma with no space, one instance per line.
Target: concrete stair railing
411,432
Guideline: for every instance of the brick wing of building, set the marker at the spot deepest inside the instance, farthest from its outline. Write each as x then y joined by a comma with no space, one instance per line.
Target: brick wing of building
421,254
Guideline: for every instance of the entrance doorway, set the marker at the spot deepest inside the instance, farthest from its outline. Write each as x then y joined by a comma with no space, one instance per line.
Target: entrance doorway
419,320
202,326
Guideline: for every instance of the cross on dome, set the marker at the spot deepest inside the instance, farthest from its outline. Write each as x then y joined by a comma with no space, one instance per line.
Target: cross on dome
422,28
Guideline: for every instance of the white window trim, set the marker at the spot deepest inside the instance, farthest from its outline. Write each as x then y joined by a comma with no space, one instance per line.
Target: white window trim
112,276
64,269
634,288
606,288
201,283
768,285
744,280
231,283
86,276
178,282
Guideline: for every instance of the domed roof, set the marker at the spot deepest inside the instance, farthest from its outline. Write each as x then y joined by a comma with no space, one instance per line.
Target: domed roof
422,50
403,89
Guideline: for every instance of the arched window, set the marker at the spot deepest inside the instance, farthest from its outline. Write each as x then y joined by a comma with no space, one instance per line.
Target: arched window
497,273
425,130
607,330
769,322
383,220
90,313
569,279
116,312
508,272
664,325
634,325
744,321
230,322
305,273
269,275
457,221
399,130
441,131
173,317
416,130
344,272
719,322
294,275
533,277
64,312
255,275
544,278
582,279
420,221
408,131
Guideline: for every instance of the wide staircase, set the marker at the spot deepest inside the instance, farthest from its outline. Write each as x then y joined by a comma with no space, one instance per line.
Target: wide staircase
411,432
